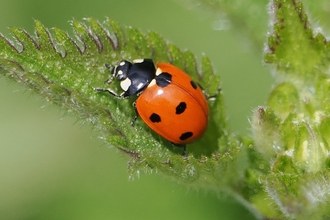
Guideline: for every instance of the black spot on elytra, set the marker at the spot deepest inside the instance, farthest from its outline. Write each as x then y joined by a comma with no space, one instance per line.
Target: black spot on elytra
155,118
163,79
186,135
180,108
193,84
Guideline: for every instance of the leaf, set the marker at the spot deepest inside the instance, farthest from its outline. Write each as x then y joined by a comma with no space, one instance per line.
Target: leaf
292,131
281,172
301,60
65,70
294,47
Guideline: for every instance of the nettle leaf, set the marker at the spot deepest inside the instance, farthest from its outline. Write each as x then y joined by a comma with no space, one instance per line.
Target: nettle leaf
281,172
65,70
292,131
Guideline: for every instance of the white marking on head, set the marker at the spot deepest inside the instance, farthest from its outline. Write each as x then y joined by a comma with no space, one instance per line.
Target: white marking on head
122,63
120,72
158,71
138,61
152,83
125,84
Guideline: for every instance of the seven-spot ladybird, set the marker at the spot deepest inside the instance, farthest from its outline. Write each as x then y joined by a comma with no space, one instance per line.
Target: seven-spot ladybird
169,101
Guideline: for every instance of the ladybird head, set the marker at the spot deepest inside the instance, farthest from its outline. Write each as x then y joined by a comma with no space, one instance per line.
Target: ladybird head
134,77
121,70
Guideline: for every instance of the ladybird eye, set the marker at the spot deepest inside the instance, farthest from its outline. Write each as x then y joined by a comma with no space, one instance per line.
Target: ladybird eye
122,69
121,77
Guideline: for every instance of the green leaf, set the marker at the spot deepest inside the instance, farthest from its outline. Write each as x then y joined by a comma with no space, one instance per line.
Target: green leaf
266,132
300,56
65,70
293,46
281,172
292,133
300,196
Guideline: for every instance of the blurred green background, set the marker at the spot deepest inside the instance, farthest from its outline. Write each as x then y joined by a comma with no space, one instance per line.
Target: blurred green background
52,167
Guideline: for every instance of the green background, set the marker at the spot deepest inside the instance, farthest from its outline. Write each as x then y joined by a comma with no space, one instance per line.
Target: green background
53,167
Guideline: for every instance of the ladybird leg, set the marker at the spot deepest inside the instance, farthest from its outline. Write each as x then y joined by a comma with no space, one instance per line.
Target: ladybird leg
136,116
108,66
184,152
110,91
109,81
207,96
203,90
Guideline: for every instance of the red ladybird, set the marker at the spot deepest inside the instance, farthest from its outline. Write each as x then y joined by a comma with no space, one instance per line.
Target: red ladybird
169,101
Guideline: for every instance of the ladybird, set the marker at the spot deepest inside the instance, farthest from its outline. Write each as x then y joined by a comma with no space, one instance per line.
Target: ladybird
168,100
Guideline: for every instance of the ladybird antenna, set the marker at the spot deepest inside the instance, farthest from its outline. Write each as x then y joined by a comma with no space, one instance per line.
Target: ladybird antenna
108,66
112,67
